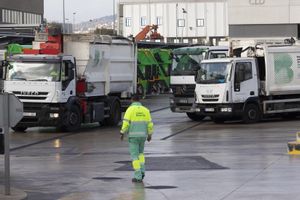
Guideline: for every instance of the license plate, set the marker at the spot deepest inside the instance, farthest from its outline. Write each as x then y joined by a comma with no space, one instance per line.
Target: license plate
209,110
29,114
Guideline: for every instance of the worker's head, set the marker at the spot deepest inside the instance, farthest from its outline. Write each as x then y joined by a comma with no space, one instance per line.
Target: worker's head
135,98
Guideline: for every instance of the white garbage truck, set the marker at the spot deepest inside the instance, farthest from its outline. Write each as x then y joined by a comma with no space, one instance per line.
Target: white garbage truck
91,81
250,88
186,61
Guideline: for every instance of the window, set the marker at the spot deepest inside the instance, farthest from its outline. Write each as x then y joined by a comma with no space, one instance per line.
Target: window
195,41
159,20
127,21
243,72
181,23
200,22
143,21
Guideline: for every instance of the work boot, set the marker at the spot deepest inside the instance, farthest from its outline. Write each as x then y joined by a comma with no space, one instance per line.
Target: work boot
134,180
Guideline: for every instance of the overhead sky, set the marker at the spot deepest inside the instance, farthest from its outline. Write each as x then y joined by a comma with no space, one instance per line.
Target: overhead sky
85,9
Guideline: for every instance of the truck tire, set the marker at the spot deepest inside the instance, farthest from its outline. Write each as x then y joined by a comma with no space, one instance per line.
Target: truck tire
252,114
19,128
195,116
114,113
71,119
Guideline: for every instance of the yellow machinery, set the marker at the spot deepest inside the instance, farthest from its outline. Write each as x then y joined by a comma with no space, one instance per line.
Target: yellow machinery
294,147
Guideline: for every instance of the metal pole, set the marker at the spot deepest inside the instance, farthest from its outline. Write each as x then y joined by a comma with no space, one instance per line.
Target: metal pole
64,16
176,21
74,13
114,15
149,7
6,143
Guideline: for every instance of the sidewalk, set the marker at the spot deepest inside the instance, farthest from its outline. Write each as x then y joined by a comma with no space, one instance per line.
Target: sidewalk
15,194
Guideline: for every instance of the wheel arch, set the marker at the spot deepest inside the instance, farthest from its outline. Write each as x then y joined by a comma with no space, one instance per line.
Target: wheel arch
252,100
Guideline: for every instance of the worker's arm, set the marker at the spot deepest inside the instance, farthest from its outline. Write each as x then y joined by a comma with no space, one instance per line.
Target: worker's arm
150,124
126,121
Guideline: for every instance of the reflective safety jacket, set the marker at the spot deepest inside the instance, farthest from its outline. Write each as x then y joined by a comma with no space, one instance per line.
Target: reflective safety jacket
137,121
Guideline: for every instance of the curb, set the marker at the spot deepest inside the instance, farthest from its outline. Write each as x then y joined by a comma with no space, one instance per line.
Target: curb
16,194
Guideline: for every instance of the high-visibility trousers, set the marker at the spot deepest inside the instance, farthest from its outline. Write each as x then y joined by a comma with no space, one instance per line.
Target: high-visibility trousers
136,148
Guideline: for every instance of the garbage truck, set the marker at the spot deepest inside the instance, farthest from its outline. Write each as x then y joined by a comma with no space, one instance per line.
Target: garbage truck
86,78
186,61
265,83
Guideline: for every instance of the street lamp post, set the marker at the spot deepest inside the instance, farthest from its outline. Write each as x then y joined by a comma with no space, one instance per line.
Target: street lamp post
64,16
74,13
176,21
68,29
114,15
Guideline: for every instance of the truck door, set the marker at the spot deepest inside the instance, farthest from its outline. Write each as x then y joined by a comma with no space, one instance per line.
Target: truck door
245,84
68,79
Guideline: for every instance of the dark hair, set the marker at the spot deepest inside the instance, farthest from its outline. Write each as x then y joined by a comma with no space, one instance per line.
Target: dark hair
135,97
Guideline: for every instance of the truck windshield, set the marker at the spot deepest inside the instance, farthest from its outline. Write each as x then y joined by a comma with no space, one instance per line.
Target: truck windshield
213,73
33,71
186,64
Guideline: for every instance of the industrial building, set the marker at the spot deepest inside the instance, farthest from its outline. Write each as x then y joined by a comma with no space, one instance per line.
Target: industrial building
190,21
264,18
21,12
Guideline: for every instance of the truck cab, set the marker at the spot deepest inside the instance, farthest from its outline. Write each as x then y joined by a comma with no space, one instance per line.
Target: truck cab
43,83
224,85
186,62
250,88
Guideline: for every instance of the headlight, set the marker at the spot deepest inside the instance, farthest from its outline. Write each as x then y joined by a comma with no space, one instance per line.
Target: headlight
226,109
54,115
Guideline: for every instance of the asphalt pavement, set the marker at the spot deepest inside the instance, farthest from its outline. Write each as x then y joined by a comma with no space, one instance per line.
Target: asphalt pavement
186,160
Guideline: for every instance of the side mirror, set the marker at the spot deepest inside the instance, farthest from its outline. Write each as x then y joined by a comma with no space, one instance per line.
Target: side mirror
239,76
4,63
71,73
237,86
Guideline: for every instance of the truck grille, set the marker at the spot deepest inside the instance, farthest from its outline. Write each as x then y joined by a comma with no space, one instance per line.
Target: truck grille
210,98
31,95
183,90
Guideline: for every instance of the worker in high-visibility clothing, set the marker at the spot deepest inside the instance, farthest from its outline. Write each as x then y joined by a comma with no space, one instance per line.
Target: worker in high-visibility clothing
138,125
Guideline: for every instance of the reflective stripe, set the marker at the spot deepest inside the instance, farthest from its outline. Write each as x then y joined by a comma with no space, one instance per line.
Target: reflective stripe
142,158
137,134
136,165
126,120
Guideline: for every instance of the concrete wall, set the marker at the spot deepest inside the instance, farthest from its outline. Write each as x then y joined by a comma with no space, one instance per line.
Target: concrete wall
211,15
264,31
263,18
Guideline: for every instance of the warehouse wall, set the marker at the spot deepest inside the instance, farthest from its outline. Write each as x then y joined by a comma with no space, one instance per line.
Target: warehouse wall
21,11
202,20
263,18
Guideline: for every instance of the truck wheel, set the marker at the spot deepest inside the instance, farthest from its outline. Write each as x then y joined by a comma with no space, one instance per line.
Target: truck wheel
251,114
195,116
72,119
19,128
114,113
